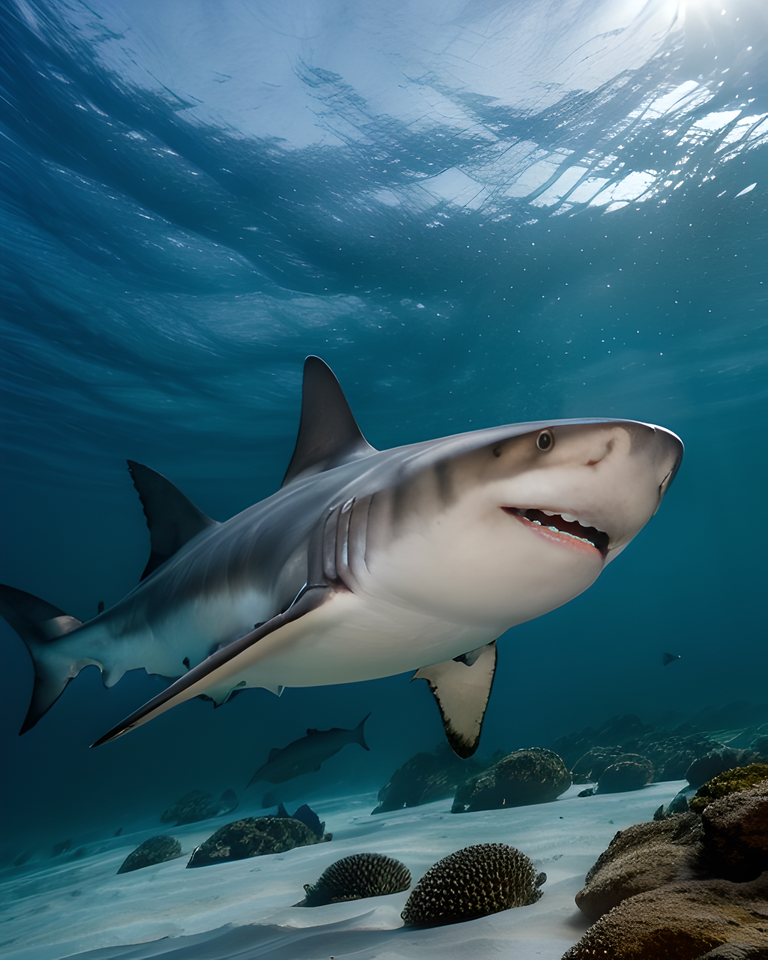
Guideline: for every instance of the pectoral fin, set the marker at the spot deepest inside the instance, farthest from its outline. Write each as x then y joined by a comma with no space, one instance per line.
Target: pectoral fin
222,664
461,688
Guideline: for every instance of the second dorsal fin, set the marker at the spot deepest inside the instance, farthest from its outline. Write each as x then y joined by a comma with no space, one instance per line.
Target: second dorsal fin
172,518
328,433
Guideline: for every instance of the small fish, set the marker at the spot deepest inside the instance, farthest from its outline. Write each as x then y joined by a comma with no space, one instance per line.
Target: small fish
306,754
668,658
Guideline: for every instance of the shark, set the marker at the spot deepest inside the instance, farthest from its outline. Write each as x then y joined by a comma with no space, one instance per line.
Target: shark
306,754
365,563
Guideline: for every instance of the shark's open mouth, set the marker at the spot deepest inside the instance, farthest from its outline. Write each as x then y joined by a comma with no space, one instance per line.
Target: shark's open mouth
564,523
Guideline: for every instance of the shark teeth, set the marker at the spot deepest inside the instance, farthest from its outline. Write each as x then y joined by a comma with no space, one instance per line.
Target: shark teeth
565,523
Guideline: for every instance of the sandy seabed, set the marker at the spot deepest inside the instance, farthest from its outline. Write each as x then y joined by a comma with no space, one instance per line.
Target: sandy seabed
82,908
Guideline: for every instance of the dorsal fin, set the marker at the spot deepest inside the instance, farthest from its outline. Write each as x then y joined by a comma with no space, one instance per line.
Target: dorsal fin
328,433
172,518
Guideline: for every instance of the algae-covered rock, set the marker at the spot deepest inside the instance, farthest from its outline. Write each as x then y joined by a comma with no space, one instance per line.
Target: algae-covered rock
198,805
686,886
643,857
155,850
672,755
730,781
252,837
424,778
523,777
614,732
712,765
736,832
630,771
670,751
684,920
721,761
589,768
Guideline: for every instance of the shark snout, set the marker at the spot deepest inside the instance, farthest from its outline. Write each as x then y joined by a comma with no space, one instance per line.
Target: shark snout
670,456
599,485
658,449
642,477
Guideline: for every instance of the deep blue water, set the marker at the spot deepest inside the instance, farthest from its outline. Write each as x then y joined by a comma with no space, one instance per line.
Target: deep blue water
476,213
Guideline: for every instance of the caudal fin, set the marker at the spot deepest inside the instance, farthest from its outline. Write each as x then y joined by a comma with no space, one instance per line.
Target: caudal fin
38,624
360,735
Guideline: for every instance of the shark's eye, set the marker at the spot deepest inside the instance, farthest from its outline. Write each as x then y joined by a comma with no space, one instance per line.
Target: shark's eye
545,440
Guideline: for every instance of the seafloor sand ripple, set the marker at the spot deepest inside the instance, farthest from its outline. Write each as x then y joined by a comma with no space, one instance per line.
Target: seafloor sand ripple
83,909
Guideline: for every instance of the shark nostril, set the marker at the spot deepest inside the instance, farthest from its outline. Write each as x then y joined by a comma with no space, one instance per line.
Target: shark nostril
607,448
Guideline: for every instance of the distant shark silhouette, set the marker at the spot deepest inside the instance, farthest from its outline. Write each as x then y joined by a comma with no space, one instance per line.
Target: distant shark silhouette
306,754
365,563
668,658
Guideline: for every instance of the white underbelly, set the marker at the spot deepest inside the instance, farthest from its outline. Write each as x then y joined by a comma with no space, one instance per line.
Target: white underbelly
349,639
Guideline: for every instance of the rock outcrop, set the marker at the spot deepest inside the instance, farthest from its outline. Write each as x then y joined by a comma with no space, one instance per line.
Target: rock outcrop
731,781
670,751
527,776
155,850
736,833
643,857
713,763
198,805
252,837
424,778
685,886
686,920
629,771
589,767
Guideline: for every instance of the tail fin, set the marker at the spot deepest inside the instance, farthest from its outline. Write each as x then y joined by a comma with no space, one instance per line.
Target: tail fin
360,736
38,623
